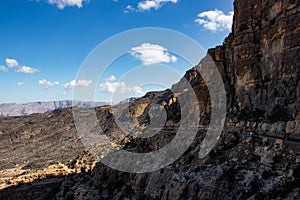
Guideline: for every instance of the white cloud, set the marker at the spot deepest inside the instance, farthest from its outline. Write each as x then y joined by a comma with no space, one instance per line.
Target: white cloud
27,70
79,83
112,87
11,62
61,4
20,83
148,5
48,84
129,8
4,69
152,54
111,78
215,20
134,89
156,4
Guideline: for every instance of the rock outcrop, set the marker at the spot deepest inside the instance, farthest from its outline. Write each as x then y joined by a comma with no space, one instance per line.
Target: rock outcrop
260,65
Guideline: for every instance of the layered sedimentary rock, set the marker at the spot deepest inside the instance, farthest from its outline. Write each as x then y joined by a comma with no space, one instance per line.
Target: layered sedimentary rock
260,66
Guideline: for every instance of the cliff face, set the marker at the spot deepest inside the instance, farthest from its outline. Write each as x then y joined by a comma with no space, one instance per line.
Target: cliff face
260,66
262,57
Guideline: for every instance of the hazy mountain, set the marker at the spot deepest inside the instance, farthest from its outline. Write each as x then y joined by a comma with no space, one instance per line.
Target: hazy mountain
13,109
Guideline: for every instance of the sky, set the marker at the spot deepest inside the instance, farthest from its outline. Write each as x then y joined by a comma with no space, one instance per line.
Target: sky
44,43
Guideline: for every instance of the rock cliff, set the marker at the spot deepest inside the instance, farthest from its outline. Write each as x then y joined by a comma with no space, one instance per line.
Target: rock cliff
259,64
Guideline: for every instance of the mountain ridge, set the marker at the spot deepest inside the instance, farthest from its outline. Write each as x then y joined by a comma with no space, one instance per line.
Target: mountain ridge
14,109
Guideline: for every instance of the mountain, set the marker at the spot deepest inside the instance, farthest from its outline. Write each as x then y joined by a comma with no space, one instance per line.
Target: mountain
13,109
256,157
259,64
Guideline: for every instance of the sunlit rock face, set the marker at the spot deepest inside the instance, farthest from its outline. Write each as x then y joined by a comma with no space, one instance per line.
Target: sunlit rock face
259,62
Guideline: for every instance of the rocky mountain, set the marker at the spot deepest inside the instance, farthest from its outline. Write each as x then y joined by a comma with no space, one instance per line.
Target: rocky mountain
259,64
256,157
13,109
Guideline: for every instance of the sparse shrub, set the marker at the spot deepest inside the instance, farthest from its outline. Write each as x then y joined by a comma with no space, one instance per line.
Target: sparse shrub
255,115
127,192
84,180
69,196
279,113
230,174
189,157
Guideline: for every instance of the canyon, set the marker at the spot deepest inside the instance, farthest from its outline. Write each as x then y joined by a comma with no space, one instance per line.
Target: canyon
256,157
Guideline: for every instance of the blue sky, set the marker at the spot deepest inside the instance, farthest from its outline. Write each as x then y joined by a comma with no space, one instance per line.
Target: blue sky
43,43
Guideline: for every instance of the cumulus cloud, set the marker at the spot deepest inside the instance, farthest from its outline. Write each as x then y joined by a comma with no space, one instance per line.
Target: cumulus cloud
111,78
61,4
112,86
156,4
215,20
3,69
11,62
77,83
27,70
152,54
148,5
134,89
47,83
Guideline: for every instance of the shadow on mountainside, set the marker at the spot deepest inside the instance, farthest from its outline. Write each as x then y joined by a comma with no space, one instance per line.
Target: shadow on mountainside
239,167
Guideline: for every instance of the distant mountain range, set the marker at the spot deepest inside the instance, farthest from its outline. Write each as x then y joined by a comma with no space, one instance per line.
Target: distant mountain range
14,109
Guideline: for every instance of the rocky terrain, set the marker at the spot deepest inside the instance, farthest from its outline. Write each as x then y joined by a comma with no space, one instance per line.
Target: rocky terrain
256,157
13,109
